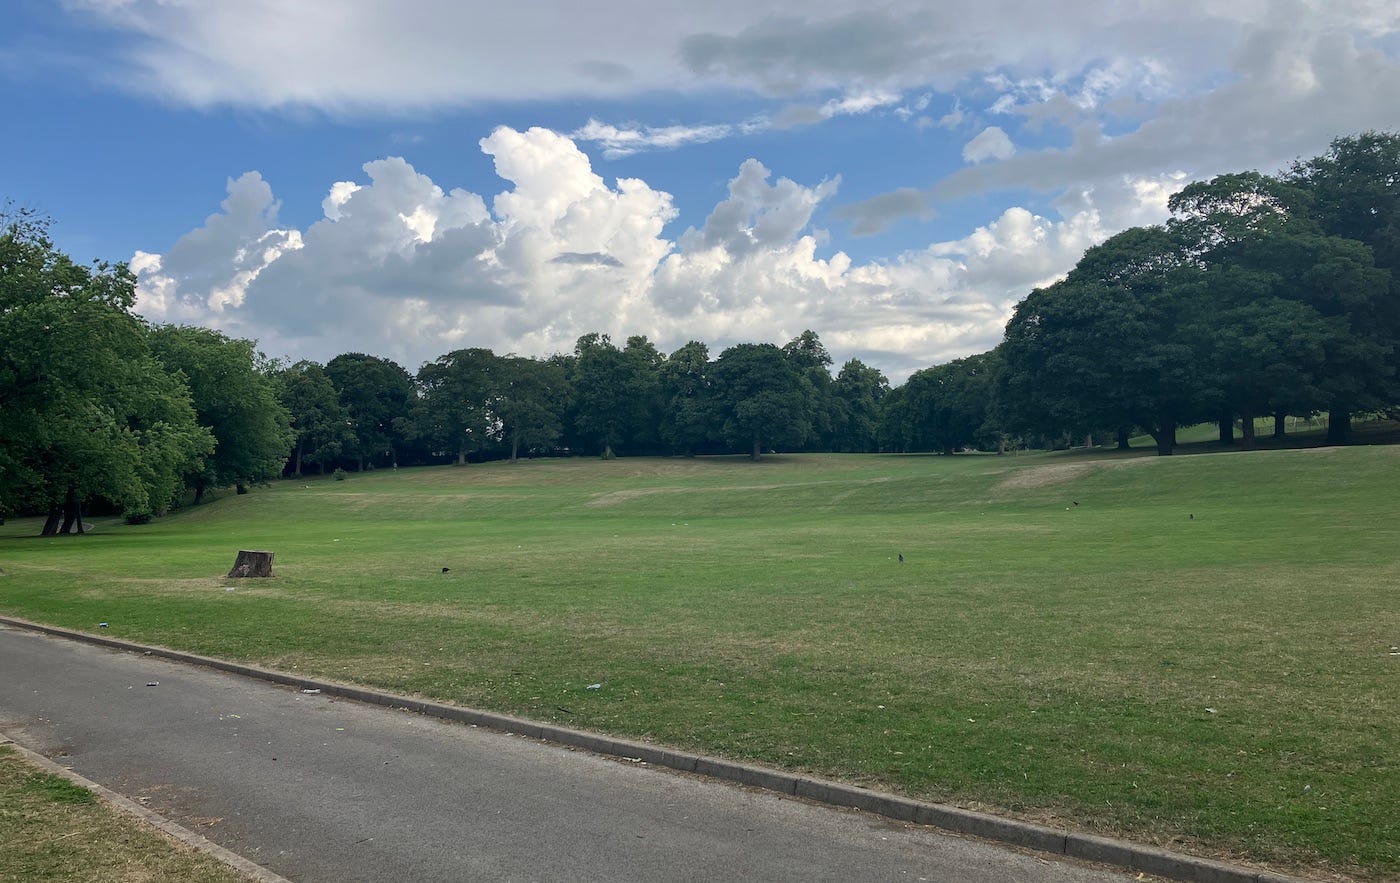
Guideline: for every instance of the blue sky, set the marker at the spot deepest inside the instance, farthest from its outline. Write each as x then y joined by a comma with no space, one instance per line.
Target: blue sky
410,179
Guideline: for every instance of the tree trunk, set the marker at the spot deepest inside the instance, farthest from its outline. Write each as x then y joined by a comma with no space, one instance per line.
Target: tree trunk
1227,430
515,448
757,449
608,452
1123,438
1247,428
250,563
240,488
1279,428
296,460
72,513
1339,426
1165,436
51,523
199,495
462,454
1089,440
1001,445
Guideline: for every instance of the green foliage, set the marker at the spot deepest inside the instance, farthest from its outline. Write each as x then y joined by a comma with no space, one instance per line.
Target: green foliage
456,411
85,409
943,408
340,474
687,402
322,427
616,391
235,398
377,395
762,399
855,402
530,396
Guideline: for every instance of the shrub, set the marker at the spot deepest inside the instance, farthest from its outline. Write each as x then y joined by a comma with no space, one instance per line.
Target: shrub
340,474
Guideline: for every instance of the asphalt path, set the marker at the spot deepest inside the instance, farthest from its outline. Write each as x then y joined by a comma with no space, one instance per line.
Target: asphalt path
319,789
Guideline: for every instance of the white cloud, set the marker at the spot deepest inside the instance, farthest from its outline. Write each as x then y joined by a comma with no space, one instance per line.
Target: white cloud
401,267
619,142
990,143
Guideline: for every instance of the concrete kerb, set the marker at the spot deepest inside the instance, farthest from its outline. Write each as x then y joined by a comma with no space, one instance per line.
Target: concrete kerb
178,832
1104,850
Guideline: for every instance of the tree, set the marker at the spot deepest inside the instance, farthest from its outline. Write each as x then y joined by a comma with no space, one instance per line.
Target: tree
1260,251
1111,345
1355,195
375,393
645,362
613,390
945,408
855,407
761,397
530,396
809,356
687,402
236,398
456,409
85,410
321,425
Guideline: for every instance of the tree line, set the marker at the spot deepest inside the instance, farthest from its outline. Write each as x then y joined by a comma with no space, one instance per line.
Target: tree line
1263,295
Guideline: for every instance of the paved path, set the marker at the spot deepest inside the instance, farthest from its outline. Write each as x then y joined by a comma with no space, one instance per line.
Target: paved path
318,789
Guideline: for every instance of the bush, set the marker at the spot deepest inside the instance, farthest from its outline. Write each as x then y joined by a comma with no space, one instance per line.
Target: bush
141,516
340,474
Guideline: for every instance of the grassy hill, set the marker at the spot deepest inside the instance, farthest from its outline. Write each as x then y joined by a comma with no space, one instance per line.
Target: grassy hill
1198,654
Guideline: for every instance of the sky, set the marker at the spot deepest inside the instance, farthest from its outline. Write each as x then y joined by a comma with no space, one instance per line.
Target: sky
407,179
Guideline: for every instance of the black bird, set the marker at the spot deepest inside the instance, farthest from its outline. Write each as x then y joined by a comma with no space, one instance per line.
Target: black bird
445,569
901,557
1192,517
1075,502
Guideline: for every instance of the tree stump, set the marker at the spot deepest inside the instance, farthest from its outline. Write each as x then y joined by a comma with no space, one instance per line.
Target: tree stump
251,563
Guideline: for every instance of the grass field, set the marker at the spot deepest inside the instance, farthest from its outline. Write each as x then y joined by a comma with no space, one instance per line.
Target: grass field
1199,654
51,829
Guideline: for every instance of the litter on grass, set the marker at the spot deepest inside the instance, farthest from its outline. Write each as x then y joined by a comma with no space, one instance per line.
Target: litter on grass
594,687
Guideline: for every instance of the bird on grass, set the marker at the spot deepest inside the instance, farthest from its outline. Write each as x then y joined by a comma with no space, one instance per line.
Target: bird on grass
446,569
901,557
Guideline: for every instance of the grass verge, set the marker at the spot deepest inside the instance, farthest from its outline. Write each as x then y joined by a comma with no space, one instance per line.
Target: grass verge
51,829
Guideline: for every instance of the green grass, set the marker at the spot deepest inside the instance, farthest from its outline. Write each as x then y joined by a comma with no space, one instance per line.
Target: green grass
51,829
1222,684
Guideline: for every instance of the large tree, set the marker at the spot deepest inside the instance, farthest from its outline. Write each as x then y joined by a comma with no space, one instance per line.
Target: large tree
761,398
1355,195
1111,345
686,399
457,408
85,410
321,425
530,397
235,396
375,393
808,355
945,408
1259,255
855,407
613,391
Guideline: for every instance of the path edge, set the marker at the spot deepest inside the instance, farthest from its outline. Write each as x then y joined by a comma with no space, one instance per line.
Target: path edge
179,832
1104,850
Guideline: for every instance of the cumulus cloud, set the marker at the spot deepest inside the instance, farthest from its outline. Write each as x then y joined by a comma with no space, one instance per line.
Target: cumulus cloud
402,267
